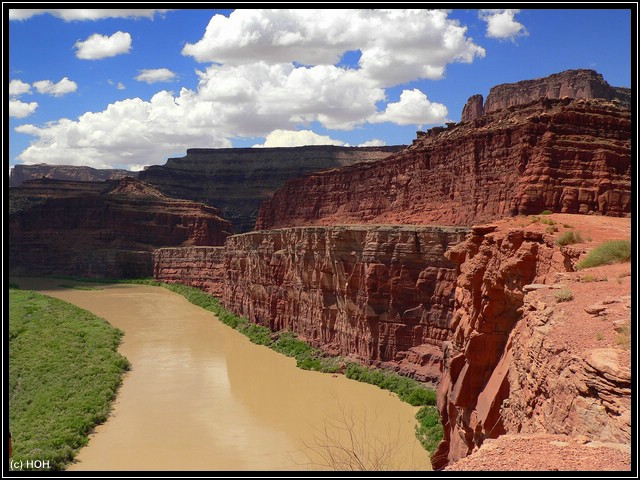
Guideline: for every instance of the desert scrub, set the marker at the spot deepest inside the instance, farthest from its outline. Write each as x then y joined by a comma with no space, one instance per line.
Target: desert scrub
614,251
563,295
569,238
623,339
429,429
546,212
64,370
551,229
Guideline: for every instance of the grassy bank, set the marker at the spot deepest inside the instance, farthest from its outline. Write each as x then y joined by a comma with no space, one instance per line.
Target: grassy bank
64,370
429,430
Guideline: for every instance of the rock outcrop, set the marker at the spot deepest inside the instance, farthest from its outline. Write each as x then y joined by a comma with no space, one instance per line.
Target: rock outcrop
22,173
509,368
102,229
571,156
199,267
238,180
473,109
380,294
581,83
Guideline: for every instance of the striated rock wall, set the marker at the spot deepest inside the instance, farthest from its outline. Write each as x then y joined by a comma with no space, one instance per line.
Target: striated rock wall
571,156
238,180
508,368
22,173
380,294
580,83
102,229
200,267
473,109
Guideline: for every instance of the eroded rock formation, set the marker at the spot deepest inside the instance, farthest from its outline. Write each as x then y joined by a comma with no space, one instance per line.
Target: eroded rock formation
508,367
581,83
380,294
102,229
23,173
237,180
571,156
199,267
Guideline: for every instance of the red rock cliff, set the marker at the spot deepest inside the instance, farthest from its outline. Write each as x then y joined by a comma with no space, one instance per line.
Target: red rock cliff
22,173
200,267
517,364
102,228
570,156
380,294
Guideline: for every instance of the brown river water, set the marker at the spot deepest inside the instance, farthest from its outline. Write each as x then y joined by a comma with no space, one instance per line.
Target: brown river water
201,396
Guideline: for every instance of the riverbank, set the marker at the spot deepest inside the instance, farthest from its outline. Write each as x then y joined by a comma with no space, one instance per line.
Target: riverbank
64,371
200,396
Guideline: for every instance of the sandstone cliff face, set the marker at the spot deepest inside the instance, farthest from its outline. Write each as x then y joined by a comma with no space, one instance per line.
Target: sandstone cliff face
22,173
238,180
570,83
104,229
380,294
199,267
516,364
473,109
571,156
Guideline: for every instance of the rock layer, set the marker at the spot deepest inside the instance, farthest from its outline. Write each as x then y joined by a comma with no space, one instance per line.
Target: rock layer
505,369
380,294
581,83
22,173
199,267
102,229
237,180
570,156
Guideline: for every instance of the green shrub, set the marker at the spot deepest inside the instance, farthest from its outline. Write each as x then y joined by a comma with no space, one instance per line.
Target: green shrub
569,238
429,429
614,251
563,295
547,221
546,212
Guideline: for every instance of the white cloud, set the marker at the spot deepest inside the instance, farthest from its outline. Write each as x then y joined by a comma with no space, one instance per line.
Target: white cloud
69,14
99,46
297,138
18,87
155,75
374,142
414,108
63,87
396,45
502,24
120,86
243,97
18,109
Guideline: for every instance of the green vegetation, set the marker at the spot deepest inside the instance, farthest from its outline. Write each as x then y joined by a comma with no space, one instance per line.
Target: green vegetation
547,221
551,229
614,251
546,212
588,279
566,225
563,295
64,370
429,429
80,287
569,238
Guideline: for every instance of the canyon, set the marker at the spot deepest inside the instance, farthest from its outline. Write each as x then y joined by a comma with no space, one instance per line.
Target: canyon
22,173
101,229
238,180
568,156
432,260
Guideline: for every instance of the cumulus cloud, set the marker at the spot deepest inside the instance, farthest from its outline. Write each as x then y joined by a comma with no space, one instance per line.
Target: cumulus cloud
374,142
155,75
99,46
119,85
396,45
274,80
297,138
18,87
63,87
69,14
414,108
501,23
18,109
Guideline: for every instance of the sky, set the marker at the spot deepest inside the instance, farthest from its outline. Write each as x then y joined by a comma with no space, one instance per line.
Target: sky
129,88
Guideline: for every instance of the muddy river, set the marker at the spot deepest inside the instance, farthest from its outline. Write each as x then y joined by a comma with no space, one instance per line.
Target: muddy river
201,396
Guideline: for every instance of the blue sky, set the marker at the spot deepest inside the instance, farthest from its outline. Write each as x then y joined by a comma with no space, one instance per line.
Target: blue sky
127,88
